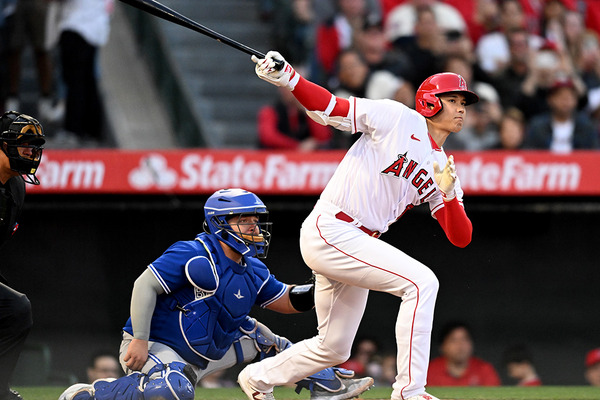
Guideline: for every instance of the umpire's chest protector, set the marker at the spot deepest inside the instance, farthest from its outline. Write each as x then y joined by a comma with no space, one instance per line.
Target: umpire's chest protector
224,293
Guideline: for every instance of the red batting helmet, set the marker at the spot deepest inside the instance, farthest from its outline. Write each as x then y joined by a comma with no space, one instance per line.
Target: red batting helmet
445,82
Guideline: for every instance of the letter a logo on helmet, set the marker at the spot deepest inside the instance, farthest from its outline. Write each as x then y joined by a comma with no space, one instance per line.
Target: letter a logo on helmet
427,102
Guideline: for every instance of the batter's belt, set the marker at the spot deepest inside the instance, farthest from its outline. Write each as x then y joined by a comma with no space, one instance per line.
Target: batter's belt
346,218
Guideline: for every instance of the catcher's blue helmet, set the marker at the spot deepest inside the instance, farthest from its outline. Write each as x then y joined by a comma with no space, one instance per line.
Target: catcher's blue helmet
227,203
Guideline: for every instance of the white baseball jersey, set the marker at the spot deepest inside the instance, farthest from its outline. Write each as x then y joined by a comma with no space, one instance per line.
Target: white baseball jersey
390,168
386,172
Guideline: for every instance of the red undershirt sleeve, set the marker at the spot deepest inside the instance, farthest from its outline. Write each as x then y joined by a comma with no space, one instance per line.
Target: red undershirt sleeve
316,98
455,223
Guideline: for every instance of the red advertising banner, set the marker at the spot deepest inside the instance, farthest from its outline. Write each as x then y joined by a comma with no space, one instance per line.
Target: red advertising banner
202,171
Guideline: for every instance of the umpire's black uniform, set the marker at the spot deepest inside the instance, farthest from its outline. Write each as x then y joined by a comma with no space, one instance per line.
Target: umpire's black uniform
15,308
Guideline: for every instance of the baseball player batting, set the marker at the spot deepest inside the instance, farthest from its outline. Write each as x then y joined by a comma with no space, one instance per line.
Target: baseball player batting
398,163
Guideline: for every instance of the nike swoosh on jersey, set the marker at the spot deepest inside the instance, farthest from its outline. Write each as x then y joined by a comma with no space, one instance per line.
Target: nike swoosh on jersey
413,137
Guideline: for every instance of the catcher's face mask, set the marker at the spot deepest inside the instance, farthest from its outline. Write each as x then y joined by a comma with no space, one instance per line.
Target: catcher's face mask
22,140
239,219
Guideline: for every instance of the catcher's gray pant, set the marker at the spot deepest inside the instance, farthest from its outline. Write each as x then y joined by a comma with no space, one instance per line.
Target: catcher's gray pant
159,353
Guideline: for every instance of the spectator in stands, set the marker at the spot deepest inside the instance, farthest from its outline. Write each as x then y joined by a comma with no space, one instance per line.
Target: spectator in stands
27,25
375,50
509,81
352,75
551,18
520,367
592,367
425,49
402,21
337,34
548,64
84,27
294,24
364,358
483,16
563,128
481,128
457,366
511,132
103,364
493,50
285,125
459,45
356,79
326,9
582,45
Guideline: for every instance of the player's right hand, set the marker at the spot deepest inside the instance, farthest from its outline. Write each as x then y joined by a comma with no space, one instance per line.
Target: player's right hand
136,355
265,69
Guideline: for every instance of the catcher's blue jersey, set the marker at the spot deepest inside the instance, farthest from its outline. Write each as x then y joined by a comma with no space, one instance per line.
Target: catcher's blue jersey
207,297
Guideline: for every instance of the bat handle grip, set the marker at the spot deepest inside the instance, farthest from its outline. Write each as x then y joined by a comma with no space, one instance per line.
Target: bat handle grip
279,65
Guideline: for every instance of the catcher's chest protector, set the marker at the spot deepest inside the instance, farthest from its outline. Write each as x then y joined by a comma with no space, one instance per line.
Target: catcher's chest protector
211,322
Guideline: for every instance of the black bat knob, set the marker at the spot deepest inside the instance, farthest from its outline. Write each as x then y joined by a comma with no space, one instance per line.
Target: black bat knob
279,65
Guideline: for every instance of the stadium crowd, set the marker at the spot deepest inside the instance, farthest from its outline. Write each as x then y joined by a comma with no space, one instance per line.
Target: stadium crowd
534,63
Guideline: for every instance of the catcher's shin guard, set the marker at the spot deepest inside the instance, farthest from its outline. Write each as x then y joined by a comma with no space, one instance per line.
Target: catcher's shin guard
334,384
173,381
128,387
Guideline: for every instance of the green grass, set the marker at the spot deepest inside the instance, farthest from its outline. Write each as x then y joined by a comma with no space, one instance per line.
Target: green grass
446,393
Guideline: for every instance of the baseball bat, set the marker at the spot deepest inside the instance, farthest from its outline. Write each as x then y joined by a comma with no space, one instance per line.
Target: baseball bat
161,11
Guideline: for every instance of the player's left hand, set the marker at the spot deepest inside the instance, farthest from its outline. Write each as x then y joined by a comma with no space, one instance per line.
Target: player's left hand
446,178
265,69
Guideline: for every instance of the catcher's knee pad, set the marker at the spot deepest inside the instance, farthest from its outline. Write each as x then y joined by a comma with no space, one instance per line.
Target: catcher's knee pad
329,379
174,381
128,387
267,343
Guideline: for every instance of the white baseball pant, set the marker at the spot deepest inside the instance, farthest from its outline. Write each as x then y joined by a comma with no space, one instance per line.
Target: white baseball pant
348,263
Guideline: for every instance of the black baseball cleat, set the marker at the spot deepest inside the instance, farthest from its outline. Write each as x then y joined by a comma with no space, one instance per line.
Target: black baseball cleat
11,395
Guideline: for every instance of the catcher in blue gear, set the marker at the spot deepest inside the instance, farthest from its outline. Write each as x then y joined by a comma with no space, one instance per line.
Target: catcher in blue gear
190,311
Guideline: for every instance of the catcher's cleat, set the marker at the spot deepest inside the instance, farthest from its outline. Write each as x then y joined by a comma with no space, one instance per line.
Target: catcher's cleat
334,384
252,393
351,388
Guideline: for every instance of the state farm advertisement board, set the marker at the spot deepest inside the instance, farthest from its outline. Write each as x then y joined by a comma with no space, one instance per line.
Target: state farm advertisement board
201,171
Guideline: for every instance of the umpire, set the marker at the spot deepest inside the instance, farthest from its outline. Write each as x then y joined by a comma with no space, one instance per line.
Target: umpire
22,141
